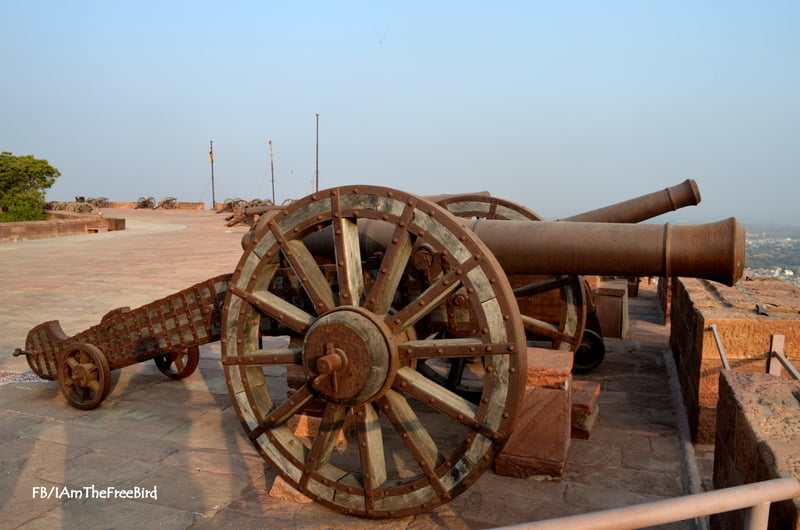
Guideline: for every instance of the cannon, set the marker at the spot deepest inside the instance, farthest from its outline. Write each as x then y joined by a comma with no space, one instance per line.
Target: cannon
365,284
169,331
560,309
146,202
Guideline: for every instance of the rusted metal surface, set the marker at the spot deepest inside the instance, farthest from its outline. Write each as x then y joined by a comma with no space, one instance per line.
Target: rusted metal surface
644,207
369,284
559,309
169,329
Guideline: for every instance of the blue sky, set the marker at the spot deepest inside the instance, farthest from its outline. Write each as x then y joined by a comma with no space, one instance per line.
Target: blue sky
561,106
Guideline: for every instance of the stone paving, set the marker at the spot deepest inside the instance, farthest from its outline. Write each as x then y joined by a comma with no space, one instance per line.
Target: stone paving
183,439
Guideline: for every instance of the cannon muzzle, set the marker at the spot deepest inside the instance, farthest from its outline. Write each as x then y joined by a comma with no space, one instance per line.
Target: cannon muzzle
645,207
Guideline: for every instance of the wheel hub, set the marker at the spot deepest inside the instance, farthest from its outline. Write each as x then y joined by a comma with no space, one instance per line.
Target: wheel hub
80,374
348,356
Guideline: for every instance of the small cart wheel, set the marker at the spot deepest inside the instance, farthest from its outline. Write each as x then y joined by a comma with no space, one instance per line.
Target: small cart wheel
84,375
179,365
590,353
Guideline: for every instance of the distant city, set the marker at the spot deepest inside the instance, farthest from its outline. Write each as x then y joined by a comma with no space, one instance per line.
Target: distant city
774,251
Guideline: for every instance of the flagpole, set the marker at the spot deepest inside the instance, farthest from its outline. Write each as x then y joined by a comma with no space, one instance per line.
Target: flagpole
272,171
211,159
316,173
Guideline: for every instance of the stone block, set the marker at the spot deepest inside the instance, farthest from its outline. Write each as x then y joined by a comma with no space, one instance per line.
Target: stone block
549,368
746,316
539,444
584,408
611,300
757,438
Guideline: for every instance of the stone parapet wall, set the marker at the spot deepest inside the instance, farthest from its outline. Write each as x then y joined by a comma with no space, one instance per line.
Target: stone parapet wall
664,293
59,223
757,438
744,331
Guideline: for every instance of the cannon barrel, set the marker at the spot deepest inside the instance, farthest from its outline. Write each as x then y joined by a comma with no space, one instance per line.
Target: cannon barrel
713,251
644,207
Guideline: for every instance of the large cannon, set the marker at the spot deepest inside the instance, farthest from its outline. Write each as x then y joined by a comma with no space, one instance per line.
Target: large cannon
369,283
560,309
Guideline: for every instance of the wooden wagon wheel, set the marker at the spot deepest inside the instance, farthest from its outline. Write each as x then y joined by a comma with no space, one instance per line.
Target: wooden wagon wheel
83,375
568,334
178,365
390,442
485,207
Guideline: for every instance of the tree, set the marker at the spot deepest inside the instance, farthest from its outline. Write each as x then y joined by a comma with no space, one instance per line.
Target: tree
23,181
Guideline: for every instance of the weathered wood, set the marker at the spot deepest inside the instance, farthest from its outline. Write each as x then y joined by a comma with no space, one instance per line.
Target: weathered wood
371,451
414,435
267,357
392,471
348,259
391,271
275,307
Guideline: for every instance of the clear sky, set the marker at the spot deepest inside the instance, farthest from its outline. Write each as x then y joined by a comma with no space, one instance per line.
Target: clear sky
561,106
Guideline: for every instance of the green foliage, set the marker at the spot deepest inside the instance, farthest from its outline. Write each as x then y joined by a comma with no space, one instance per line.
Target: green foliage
23,180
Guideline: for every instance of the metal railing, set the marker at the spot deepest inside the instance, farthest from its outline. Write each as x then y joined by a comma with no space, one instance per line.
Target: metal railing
720,348
777,360
756,498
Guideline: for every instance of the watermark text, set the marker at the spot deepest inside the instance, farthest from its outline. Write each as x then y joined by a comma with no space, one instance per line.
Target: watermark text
93,492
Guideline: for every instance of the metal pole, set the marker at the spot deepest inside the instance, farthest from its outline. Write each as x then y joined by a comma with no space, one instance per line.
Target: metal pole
316,173
755,496
272,171
211,159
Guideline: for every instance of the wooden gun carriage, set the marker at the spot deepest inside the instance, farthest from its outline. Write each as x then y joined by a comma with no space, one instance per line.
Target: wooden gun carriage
370,285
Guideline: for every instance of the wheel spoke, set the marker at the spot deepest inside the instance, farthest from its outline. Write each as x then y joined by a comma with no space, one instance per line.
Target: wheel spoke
282,413
306,269
72,362
425,303
329,428
348,260
275,307
414,436
390,273
370,442
441,348
545,329
441,399
178,362
267,357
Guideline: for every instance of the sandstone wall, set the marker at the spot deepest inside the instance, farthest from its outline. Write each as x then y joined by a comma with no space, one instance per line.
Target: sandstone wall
745,333
758,438
59,224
